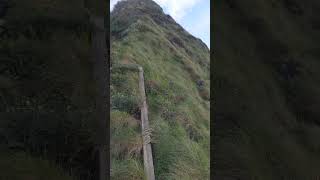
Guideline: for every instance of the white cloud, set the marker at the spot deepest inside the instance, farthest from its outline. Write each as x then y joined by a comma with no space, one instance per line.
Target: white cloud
112,3
176,8
201,28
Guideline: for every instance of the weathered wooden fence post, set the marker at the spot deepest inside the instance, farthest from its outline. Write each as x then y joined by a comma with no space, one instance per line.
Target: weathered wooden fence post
147,151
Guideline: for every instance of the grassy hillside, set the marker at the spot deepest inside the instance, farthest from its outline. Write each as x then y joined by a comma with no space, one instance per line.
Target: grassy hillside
176,67
266,90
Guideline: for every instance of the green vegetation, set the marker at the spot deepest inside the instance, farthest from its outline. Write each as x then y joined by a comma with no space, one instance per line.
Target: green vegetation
126,145
266,90
126,140
176,67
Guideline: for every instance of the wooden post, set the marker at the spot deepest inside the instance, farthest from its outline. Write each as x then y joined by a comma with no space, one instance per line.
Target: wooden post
147,151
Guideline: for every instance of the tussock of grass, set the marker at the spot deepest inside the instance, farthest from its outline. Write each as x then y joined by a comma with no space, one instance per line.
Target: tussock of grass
126,140
127,169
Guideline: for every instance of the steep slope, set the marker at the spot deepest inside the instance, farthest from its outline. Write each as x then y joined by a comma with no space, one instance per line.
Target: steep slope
267,89
176,67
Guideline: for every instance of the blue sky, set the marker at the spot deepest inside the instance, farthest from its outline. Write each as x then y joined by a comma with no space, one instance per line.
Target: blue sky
192,15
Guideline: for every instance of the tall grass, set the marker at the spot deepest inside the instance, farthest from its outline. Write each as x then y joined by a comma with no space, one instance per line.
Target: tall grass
126,140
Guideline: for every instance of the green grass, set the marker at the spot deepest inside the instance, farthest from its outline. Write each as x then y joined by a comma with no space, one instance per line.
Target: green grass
127,169
126,139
